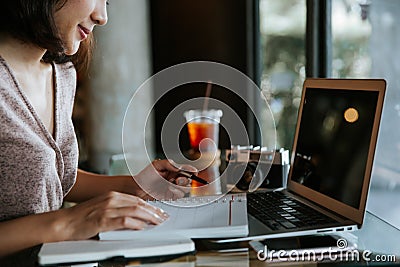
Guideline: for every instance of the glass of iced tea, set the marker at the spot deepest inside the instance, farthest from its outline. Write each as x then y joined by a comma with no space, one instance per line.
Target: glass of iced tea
203,128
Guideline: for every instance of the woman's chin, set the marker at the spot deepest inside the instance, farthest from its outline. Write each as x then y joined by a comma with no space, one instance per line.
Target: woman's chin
72,49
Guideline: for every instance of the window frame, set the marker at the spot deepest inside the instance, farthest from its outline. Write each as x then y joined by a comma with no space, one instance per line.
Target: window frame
319,38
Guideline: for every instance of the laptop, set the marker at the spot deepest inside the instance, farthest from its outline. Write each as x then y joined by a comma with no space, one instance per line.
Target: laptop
331,163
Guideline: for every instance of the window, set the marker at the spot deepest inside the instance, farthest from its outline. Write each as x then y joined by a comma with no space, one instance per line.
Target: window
351,31
282,28
365,41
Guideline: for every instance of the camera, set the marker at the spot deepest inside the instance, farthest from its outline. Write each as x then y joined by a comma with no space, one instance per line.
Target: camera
269,168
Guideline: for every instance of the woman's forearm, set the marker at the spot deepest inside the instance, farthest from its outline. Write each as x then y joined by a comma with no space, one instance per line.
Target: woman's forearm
32,230
107,212
89,185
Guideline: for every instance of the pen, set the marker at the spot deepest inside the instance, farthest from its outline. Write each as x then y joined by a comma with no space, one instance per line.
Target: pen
193,177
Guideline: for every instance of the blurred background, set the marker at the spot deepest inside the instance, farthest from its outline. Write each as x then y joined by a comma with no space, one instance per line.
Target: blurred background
275,43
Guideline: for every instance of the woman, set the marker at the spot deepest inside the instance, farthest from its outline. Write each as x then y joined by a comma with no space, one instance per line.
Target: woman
38,149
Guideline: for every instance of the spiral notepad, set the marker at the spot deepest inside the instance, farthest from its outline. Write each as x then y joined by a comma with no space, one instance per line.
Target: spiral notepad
196,217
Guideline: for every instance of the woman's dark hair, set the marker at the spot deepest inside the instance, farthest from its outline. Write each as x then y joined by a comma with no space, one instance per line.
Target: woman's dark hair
32,21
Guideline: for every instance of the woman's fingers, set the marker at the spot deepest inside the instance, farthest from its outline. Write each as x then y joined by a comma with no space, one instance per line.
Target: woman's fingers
189,168
153,178
111,212
142,213
175,193
182,181
165,165
124,223
172,171
132,206
115,199
170,165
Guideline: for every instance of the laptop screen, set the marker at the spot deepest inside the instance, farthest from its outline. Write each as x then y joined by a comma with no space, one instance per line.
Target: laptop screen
334,138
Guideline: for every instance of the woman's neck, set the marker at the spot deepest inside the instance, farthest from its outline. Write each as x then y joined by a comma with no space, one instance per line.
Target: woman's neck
20,55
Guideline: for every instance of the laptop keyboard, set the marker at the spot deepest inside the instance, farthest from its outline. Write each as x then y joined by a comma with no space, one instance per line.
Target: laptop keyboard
279,211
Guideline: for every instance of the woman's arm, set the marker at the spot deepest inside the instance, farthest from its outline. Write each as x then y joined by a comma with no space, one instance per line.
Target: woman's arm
89,185
110,211
28,231
153,178
105,210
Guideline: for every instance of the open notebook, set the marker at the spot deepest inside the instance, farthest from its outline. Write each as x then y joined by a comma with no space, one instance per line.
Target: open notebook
195,217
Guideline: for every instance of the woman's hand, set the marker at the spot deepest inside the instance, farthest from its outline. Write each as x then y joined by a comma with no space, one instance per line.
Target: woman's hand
162,180
108,212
